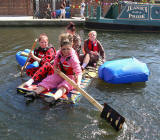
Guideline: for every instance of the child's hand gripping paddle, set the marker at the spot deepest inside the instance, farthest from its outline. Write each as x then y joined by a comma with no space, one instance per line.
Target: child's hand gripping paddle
109,114
33,46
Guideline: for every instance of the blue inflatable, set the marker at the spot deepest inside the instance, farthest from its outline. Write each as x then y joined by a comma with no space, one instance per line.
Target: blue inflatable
123,71
22,59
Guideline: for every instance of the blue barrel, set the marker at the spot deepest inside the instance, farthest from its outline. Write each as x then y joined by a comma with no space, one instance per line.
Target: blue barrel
22,59
128,70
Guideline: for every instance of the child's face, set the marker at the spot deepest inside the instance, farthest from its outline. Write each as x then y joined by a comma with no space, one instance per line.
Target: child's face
92,36
66,50
69,31
43,43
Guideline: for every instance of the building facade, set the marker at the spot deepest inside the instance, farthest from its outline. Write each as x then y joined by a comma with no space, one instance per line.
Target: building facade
16,7
27,7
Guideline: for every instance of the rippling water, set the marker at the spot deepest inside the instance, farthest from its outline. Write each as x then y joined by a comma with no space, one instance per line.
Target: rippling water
139,103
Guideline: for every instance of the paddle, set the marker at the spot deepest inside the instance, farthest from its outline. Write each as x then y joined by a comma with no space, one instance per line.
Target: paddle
33,46
108,113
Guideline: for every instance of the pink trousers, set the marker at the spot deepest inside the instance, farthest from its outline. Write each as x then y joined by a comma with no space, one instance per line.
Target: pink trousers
55,81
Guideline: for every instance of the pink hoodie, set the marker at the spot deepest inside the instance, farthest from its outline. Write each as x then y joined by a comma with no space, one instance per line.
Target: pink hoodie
73,61
55,81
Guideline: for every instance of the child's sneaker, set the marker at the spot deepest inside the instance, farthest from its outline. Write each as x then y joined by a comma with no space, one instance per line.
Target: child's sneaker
28,83
50,100
32,94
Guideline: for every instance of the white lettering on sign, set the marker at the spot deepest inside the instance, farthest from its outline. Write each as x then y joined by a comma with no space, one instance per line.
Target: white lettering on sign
137,12
136,16
145,9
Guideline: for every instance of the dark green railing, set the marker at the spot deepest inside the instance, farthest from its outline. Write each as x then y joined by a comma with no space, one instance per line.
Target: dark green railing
91,16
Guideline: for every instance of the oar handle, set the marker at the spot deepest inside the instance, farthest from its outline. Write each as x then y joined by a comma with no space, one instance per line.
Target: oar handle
33,46
84,93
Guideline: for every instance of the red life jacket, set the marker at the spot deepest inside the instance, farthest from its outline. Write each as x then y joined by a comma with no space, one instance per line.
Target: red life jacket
64,67
92,46
40,54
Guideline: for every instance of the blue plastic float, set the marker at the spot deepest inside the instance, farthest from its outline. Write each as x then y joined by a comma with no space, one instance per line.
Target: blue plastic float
22,59
128,70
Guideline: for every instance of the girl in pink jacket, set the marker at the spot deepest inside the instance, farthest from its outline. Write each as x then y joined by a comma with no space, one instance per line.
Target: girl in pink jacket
67,61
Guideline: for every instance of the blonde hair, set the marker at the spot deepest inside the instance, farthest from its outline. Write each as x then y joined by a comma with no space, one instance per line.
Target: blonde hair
43,35
92,32
65,39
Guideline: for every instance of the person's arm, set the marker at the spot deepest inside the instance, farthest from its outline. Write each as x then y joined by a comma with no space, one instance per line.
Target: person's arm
56,59
79,78
35,58
86,49
101,50
49,56
32,59
75,64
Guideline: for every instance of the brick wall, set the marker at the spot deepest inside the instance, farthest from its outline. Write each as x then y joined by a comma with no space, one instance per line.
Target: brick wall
16,7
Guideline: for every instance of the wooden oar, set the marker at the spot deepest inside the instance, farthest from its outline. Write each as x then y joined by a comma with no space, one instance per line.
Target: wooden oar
108,113
33,46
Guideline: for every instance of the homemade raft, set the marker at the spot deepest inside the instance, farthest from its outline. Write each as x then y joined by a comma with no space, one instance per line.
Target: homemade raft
127,70
72,97
108,113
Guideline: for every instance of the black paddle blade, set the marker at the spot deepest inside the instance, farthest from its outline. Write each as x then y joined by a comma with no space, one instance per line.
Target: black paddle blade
113,117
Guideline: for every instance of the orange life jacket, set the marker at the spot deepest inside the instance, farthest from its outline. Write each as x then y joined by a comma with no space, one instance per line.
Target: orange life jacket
64,67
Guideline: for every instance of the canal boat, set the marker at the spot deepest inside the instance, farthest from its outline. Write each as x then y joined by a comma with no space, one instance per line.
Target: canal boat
127,16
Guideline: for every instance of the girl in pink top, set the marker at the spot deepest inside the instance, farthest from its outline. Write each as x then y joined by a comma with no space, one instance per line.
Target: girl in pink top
67,61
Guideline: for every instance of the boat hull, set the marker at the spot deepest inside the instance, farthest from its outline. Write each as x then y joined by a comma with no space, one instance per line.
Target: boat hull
127,16
122,27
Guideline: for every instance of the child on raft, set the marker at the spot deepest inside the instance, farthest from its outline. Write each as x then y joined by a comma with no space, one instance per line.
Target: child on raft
47,68
92,50
44,53
71,29
66,61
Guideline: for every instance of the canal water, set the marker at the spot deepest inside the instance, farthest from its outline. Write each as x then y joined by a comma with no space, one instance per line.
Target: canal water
139,103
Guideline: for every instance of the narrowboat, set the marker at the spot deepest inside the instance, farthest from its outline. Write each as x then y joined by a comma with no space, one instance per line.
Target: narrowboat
126,16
